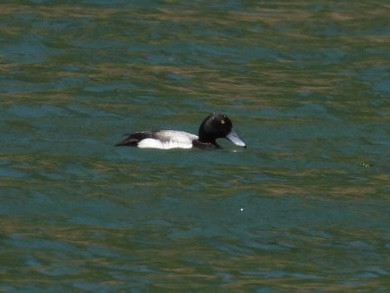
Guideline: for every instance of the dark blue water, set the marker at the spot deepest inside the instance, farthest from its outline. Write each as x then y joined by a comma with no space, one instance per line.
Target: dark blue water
304,208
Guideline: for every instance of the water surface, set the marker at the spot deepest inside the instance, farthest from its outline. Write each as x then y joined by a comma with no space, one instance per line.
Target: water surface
303,208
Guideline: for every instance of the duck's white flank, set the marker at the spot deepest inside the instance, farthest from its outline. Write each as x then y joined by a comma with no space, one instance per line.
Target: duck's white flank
169,139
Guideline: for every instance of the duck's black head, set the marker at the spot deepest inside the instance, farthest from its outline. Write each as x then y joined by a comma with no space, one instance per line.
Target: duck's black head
218,126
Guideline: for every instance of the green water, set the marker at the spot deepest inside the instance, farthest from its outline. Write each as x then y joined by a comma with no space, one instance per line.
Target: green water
305,208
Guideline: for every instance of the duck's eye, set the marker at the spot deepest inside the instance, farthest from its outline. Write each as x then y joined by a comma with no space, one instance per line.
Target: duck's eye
222,121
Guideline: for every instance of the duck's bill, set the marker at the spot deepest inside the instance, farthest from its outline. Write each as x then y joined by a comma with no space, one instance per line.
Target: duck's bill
233,137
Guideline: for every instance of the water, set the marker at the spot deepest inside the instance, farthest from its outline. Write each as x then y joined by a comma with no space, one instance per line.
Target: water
304,208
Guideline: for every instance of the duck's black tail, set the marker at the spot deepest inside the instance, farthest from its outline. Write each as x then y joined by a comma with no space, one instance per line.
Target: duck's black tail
134,138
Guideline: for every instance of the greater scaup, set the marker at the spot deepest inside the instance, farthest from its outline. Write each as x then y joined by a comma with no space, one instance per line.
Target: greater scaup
213,127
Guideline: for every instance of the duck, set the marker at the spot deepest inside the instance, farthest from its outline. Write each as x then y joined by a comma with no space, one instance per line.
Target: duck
213,127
